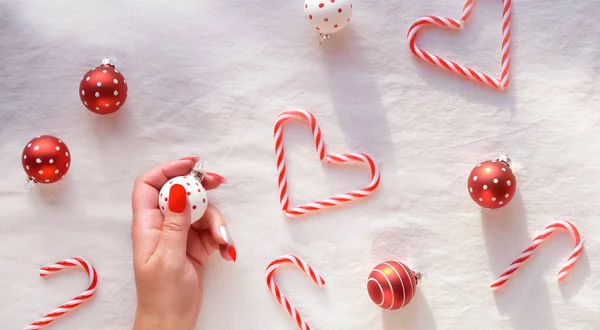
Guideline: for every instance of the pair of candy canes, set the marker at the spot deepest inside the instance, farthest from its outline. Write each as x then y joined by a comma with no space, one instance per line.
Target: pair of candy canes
362,193
447,22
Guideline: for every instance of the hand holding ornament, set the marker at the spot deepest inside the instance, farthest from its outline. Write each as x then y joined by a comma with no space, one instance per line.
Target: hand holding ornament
169,252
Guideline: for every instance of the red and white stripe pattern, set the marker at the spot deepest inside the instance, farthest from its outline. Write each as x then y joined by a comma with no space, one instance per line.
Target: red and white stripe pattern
303,266
323,156
456,24
65,308
391,285
566,225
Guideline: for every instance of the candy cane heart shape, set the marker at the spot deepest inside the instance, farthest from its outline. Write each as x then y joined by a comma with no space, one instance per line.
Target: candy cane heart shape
323,156
304,267
65,308
566,225
451,23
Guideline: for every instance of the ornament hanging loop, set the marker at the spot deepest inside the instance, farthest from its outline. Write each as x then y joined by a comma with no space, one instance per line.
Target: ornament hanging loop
505,159
323,38
30,184
107,61
418,276
198,170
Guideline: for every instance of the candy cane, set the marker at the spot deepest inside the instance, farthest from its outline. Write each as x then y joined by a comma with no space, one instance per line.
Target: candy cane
536,243
323,156
455,24
303,266
65,308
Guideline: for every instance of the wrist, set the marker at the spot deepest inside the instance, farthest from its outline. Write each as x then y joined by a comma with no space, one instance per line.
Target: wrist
150,321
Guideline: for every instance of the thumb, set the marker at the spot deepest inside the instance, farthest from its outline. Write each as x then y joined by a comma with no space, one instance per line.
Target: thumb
177,220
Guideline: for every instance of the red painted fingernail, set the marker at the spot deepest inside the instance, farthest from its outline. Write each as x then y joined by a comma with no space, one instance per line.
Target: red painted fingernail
177,198
215,175
194,158
232,253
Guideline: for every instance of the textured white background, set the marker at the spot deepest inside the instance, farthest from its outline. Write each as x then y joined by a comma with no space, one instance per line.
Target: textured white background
209,77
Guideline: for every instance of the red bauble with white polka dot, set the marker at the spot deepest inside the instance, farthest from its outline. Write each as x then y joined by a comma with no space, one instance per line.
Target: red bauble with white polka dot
328,16
103,89
196,193
46,159
492,184
392,285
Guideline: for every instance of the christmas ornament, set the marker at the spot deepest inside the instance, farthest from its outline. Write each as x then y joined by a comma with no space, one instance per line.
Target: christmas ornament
303,266
328,16
465,71
194,189
566,225
392,285
75,302
46,159
323,156
492,183
103,89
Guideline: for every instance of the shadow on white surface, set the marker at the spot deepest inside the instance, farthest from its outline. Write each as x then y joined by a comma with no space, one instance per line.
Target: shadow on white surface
443,80
396,243
53,194
524,299
355,96
401,243
115,124
572,284
416,315
505,229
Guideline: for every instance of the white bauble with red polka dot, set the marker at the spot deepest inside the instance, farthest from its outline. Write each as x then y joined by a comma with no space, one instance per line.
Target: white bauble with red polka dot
328,16
196,195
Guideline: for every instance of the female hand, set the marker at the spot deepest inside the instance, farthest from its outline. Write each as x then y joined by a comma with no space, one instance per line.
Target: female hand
168,254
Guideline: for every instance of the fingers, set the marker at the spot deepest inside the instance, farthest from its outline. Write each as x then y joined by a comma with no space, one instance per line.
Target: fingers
177,221
149,227
147,219
214,221
146,187
228,253
200,245
212,181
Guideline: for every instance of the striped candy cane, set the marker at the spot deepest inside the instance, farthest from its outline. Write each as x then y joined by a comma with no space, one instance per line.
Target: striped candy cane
65,308
303,266
323,156
566,225
455,24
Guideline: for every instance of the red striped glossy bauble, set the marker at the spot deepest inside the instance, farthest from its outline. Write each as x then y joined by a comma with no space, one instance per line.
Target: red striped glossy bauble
392,285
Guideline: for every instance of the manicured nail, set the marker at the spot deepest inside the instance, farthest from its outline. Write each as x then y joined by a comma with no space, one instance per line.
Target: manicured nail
215,175
194,158
177,198
232,253
224,231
